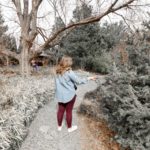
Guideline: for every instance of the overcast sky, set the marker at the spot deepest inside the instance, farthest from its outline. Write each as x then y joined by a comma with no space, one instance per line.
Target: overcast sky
47,11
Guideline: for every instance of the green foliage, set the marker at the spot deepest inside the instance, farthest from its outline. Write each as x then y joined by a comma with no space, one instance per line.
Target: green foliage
126,95
124,99
58,24
138,47
3,28
6,41
10,43
111,34
126,106
101,64
82,41
88,44
82,12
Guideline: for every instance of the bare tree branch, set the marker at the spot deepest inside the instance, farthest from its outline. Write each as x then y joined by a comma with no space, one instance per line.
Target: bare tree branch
53,3
111,9
33,18
42,34
63,8
26,6
26,19
113,4
9,53
59,38
7,6
18,8
140,5
125,20
56,41
122,6
45,15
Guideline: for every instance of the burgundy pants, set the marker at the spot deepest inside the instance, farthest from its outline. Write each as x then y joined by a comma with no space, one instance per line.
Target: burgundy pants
65,107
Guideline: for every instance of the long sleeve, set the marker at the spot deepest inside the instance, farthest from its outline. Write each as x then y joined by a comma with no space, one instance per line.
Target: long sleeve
77,79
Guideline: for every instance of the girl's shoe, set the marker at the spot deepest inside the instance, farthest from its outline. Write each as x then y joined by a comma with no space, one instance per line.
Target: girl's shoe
59,128
73,128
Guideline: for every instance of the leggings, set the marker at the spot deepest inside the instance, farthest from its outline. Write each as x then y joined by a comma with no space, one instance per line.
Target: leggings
62,107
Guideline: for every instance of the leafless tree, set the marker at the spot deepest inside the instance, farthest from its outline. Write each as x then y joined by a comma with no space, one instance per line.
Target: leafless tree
29,29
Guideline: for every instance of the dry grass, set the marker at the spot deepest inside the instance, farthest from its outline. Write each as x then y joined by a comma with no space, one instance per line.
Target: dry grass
96,135
20,100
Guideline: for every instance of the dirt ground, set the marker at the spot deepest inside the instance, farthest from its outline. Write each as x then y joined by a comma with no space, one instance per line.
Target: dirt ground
96,135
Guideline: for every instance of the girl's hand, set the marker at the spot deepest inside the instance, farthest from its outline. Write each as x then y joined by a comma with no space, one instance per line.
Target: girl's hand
92,78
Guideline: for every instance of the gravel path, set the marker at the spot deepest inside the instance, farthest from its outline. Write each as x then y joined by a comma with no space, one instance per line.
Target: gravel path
43,134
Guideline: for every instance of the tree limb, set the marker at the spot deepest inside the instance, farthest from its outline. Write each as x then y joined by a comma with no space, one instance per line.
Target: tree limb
8,7
41,33
10,53
54,42
113,4
92,19
25,10
18,8
125,20
26,19
33,14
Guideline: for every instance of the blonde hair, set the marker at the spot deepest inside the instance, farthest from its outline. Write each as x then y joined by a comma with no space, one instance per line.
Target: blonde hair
64,65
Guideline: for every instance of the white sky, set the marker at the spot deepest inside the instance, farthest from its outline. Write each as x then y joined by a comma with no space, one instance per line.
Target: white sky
47,22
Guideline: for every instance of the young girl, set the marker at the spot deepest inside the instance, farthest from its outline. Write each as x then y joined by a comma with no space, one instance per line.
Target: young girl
65,94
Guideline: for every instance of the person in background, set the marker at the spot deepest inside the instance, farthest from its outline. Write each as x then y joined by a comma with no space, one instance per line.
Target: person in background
34,65
65,92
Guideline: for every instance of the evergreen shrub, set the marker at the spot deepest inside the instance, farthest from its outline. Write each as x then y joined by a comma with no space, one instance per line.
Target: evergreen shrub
124,101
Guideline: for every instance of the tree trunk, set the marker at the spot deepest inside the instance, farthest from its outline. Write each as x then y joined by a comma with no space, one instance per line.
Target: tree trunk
24,61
